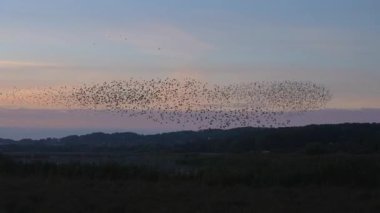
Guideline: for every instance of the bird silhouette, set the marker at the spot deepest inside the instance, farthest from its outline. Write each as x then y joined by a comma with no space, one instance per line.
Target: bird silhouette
184,102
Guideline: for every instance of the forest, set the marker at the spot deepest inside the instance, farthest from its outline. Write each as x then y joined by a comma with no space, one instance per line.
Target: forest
350,138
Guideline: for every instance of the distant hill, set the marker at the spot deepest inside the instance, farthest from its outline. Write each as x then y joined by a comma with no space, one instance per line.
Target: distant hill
354,138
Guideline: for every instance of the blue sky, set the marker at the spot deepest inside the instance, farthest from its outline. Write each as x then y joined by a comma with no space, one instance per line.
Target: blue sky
328,41
333,42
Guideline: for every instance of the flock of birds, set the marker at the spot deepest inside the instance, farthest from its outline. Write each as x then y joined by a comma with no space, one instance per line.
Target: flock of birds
183,102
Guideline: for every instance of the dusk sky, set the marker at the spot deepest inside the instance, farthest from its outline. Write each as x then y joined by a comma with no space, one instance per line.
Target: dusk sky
331,42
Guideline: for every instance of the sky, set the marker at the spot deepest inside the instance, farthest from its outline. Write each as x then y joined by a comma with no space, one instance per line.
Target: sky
331,42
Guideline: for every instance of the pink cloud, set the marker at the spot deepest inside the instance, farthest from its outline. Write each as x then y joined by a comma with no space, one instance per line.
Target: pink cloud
9,64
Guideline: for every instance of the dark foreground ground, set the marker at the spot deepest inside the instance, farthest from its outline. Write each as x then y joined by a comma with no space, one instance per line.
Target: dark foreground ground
198,183
60,195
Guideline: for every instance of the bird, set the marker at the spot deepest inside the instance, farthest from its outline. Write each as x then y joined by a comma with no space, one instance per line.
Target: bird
185,102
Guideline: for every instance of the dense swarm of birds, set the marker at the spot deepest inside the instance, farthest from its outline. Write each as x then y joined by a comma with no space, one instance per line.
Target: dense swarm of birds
184,102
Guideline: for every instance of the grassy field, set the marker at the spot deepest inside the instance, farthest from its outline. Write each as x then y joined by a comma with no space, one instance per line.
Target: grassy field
205,183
